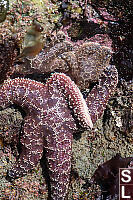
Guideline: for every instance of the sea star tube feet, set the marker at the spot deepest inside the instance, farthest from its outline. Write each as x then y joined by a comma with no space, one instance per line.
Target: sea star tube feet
49,123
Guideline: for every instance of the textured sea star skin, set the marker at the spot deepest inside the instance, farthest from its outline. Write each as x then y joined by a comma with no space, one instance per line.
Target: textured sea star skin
83,64
49,123
100,94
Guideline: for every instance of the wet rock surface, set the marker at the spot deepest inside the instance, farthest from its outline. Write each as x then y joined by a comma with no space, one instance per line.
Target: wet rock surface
112,134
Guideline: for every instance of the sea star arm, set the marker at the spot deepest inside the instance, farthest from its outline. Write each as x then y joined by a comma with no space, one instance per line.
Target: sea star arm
31,149
22,92
70,59
92,60
44,59
74,96
100,94
47,60
59,126
58,130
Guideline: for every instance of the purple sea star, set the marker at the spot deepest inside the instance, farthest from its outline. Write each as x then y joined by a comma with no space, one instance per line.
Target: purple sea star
50,124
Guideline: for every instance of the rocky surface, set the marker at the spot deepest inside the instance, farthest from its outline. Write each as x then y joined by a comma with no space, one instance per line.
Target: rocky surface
112,134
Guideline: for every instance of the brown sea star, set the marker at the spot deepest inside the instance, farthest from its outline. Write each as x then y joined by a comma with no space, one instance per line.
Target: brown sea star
50,124
83,64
